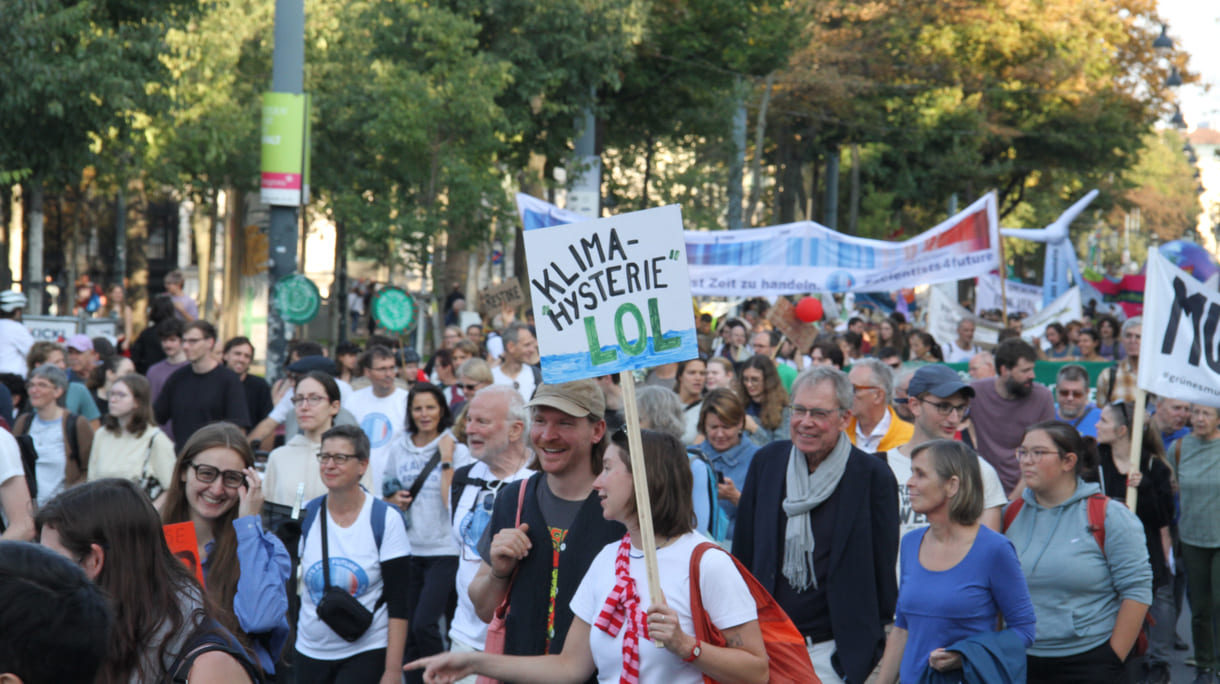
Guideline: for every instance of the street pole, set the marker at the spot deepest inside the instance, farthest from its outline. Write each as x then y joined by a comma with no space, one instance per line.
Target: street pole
287,76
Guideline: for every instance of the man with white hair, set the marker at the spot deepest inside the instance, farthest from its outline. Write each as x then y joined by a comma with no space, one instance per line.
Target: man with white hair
874,426
963,348
982,365
497,425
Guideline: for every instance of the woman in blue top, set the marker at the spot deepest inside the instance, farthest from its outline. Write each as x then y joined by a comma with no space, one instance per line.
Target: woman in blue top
722,421
956,577
1090,599
245,569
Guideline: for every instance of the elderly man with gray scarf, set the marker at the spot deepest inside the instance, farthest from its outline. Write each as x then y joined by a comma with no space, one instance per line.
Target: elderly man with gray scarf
818,526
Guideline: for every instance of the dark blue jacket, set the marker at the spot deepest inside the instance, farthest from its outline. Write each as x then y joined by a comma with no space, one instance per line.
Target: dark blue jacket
987,658
862,582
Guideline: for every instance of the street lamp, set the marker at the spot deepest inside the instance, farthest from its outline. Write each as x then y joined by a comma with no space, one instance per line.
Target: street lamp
1163,41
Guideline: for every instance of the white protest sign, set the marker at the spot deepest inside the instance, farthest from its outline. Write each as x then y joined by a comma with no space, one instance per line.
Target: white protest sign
1065,308
50,328
1179,354
944,314
611,294
1022,298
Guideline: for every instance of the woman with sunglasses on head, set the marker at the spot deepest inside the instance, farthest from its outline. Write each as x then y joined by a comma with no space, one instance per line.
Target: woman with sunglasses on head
427,453
161,615
615,591
216,487
315,402
1154,508
1089,600
373,571
472,376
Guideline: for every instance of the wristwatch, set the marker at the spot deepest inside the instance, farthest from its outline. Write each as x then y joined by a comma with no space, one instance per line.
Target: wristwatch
446,465
695,652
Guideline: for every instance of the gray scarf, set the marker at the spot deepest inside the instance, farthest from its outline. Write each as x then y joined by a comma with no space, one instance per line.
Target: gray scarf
806,491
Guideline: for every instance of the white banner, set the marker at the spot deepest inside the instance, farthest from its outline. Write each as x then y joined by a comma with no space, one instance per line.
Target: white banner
1179,354
1022,298
1064,309
944,314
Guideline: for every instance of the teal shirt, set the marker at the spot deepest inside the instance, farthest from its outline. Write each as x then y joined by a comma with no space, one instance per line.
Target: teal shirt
78,401
1199,484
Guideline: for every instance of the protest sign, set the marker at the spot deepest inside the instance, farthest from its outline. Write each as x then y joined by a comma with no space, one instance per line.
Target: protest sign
783,316
495,298
1064,309
1022,298
185,546
1180,351
944,314
611,295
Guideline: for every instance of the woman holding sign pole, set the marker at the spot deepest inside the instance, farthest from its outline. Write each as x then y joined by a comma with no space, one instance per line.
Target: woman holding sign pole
611,629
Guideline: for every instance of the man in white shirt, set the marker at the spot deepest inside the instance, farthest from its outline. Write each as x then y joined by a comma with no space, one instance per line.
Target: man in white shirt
380,408
496,426
961,349
14,492
15,339
520,354
939,401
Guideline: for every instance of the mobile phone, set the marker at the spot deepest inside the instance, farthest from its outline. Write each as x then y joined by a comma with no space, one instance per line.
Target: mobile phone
719,477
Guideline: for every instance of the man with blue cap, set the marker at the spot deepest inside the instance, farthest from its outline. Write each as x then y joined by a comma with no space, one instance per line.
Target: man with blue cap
939,401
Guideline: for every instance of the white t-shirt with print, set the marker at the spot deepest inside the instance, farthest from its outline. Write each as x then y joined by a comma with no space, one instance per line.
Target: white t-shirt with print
381,418
523,382
993,491
429,533
726,600
355,565
472,512
10,463
52,456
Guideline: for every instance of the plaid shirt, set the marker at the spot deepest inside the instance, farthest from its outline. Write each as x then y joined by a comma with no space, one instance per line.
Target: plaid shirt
1124,384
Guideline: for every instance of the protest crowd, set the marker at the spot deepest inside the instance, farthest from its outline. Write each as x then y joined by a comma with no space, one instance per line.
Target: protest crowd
921,509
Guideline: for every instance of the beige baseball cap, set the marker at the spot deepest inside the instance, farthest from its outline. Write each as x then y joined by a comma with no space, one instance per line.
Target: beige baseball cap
578,398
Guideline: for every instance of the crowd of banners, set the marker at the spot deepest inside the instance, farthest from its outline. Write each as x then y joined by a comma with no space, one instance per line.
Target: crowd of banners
611,294
807,257
1022,298
944,314
1180,352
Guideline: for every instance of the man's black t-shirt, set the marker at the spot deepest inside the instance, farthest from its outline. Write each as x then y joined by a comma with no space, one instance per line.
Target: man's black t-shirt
193,400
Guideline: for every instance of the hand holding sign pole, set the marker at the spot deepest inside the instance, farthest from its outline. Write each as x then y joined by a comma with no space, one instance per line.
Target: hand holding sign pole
612,296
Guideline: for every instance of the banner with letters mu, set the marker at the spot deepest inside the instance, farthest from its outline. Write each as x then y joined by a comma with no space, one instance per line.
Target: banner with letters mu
795,258
1179,350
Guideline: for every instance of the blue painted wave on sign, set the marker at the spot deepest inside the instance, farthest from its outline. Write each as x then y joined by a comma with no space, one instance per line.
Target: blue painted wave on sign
567,367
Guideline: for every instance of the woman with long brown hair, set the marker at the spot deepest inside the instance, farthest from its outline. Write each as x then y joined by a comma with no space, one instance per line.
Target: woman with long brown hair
109,528
130,445
216,487
766,401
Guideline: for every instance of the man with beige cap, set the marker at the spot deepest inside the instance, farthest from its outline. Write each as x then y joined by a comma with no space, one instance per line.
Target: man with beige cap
561,529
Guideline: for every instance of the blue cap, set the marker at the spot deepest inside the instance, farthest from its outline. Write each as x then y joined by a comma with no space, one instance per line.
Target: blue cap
939,381
313,363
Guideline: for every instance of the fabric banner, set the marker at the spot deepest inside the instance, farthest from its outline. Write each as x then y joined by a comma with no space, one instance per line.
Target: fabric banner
797,258
1179,355
1022,298
1064,309
944,314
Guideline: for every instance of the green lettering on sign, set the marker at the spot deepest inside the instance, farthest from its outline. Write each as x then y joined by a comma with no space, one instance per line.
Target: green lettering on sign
659,343
597,355
641,342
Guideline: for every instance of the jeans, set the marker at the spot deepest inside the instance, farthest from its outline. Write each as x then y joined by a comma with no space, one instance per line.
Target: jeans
1161,635
1203,582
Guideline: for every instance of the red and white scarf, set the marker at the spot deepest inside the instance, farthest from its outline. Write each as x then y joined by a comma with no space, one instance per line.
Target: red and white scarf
623,609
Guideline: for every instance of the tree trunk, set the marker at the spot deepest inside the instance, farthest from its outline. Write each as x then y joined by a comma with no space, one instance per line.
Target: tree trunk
235,249
831,217
737,160
760,129
648,147
853,210
34,281
340,287
203,252
136,226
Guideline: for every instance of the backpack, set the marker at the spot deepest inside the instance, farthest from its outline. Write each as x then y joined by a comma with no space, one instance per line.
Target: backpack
29,455
376,517
211,637
786,651
1097,525
718,520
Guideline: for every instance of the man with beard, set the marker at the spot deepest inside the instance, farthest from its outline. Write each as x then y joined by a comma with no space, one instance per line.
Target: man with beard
1007,404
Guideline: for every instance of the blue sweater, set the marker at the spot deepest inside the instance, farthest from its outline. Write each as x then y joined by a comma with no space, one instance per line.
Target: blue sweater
734,463
1077,589
940,608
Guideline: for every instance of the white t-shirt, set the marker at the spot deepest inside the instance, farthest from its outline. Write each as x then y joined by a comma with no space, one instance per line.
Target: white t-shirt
955,354
381,418
472,512
993,491
10,463
52,457
15,343
726,599
523,382
430,529
354,565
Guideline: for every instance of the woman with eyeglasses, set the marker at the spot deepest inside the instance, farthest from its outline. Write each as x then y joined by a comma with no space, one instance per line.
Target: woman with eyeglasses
956,576
426,453
1089,600
1197,460
1154,508
613,625
216,487
372,570
130,445
763,395
315,401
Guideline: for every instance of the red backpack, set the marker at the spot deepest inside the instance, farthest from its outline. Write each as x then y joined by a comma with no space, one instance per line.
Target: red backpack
1097,525
789,659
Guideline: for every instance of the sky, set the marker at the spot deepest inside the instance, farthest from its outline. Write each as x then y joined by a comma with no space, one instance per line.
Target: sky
1194,26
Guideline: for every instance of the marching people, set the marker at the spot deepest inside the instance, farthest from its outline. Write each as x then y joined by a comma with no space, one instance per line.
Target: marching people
130,445
766,401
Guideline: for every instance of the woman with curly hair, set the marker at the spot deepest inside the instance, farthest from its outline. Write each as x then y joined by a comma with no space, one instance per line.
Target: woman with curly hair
765,399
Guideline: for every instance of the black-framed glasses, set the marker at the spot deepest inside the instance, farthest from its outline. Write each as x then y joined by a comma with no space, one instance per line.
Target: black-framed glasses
231,479
469,386
944,409
339,459
310,400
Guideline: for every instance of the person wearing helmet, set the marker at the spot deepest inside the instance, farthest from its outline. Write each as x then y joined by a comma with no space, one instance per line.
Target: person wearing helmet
15,339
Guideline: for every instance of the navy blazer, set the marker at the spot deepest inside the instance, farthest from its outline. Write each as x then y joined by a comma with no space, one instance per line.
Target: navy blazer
862,582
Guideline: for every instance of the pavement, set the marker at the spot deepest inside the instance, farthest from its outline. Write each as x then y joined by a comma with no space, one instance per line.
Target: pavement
1179,671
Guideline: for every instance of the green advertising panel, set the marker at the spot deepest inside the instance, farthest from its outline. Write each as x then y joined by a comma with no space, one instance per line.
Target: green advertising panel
297,299
285,149
394,309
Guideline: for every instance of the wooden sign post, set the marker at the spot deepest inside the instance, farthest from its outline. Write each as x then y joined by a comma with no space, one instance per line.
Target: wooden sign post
613,296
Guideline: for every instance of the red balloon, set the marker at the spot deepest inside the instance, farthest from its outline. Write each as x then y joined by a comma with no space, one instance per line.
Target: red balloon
809,309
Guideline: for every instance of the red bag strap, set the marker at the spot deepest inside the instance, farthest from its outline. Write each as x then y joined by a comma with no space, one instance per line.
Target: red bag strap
1010,514
502,609
1097,519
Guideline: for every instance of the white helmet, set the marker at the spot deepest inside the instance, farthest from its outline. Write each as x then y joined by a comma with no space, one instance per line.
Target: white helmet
11,300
